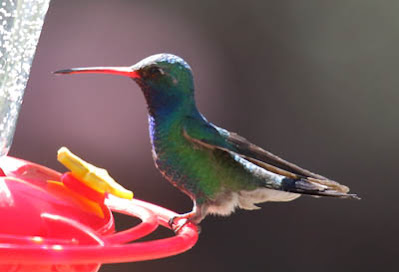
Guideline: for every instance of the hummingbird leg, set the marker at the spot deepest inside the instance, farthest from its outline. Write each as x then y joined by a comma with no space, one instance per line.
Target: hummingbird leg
195,216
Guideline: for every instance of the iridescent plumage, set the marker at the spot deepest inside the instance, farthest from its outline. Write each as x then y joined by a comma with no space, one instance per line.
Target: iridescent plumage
219,170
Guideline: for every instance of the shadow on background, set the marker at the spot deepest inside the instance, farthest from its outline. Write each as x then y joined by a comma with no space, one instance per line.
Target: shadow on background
314,82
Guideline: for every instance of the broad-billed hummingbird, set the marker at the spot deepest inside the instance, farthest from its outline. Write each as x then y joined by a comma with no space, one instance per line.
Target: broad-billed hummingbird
219,170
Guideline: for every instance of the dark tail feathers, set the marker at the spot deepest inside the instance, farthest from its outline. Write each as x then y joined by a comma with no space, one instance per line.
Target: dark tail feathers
316,187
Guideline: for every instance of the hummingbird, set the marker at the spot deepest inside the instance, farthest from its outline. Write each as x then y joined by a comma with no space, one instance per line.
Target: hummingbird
219,170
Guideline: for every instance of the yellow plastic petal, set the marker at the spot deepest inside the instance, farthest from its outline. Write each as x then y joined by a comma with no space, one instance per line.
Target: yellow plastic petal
94,177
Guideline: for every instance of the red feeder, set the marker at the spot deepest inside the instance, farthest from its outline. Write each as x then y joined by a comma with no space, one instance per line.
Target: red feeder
53,222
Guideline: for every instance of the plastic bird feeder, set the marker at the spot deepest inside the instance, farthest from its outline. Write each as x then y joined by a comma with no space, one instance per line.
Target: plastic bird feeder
55,222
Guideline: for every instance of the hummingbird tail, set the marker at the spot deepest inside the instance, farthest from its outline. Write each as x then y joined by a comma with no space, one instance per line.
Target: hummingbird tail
317,187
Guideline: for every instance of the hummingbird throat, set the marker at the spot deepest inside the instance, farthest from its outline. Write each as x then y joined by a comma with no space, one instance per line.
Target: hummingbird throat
167,103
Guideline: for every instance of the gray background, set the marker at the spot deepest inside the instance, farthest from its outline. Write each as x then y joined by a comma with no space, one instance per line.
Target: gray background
312,81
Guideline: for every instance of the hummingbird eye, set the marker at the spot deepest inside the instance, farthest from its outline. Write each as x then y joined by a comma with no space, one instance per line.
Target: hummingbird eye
155,71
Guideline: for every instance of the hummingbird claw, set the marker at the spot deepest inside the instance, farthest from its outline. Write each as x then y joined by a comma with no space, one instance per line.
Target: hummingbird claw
176,223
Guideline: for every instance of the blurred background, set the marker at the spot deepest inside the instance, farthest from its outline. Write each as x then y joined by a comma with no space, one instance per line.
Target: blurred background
315,82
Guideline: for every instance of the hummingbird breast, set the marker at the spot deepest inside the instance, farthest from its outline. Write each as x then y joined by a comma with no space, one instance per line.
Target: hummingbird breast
176,159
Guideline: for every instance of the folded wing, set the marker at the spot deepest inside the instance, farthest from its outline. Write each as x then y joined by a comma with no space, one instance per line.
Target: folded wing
298,180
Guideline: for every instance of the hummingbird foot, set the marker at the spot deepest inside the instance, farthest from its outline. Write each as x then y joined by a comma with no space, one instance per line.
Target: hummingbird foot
195,216
176,223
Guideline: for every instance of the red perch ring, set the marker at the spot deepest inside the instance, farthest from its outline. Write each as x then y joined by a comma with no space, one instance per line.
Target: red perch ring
50,222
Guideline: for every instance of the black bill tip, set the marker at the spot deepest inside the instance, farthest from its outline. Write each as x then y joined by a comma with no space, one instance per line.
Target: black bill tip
63,72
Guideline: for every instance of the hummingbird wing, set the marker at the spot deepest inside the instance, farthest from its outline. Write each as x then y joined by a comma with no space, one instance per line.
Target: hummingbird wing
299,179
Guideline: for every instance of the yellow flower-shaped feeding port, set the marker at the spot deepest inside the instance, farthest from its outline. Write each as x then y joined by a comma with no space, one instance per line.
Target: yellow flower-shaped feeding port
94,177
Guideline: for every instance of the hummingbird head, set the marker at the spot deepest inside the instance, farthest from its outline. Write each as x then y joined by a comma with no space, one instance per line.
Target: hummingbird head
165,79
164,71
